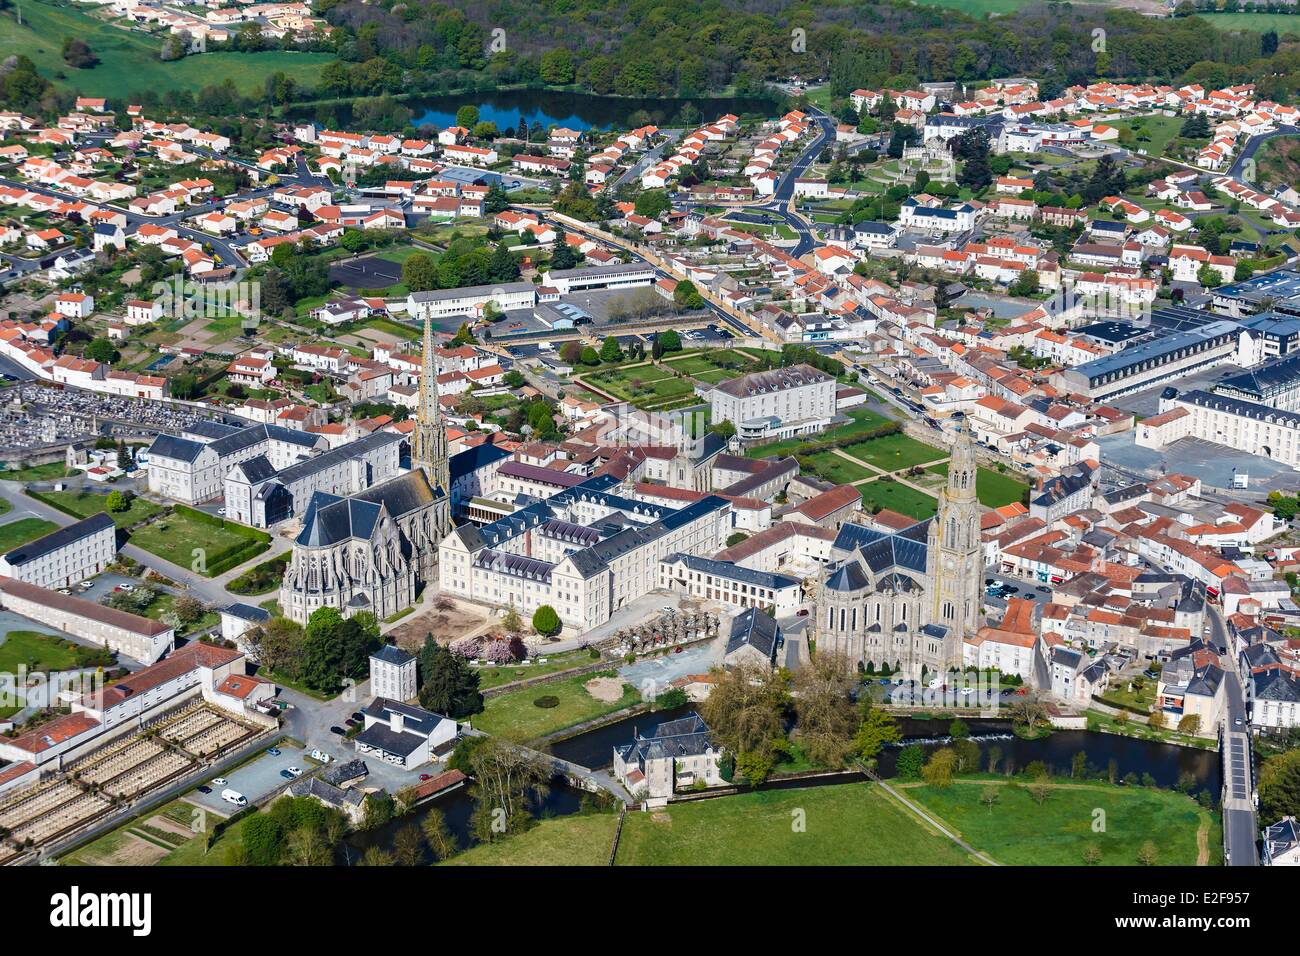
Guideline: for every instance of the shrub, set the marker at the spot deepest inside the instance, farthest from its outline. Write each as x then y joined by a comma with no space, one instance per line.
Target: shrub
545,621
547,702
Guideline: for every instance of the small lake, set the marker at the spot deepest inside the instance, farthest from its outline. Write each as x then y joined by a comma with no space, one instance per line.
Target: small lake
582,111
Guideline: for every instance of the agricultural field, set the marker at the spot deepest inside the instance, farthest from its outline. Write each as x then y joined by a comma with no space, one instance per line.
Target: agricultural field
128,59
1283,23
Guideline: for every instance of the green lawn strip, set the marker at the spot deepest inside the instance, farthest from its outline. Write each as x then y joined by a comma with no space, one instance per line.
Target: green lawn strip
899,497
496,676
83,504
1018,831
846,824
5,506
515,715
261,578
583,839
23,530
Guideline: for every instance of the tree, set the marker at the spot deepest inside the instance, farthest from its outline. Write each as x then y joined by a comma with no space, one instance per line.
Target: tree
669,339
687,296
503,266
408,845
735,538
826,717
117,502
1039,791
939,769
609,350
989,796
376,856
263,839
545,621
277,645
505,777
467,116
1189,724
746,708
875,729
448,685
911,759
1157,720
590,356
652,203
189,609
1148,854
1279,786
1091,854
420,272
78,54
442,844
101,350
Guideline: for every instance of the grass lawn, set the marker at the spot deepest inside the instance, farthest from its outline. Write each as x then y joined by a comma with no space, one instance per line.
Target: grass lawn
1019,832
83,504
260,579
583,839
514,715
39,652
863,421
835,468
846,825
993,488
5,506
895,452
899,497
128,59
175,537
23,530
1152,133
55,469
496,676
165,603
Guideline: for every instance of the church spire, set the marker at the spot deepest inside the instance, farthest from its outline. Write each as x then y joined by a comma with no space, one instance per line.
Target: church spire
962,468
430,447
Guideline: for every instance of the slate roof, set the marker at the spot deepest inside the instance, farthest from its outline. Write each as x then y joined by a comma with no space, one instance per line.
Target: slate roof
61,538
756,629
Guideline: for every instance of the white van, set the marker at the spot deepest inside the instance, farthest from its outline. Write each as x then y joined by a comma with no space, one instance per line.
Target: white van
235,797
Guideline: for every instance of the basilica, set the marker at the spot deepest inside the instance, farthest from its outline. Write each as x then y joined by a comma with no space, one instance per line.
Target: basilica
374,550
907,600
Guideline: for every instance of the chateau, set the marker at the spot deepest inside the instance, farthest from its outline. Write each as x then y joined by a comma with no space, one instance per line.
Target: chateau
907,600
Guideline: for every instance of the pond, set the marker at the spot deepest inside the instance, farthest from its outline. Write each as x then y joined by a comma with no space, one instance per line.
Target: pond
582,111
458,809
1163,761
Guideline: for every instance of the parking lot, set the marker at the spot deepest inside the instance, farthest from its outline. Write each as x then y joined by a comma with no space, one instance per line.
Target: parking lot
367,272
255,779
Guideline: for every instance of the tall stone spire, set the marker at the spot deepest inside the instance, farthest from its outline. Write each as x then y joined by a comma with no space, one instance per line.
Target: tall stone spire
955,554
430,447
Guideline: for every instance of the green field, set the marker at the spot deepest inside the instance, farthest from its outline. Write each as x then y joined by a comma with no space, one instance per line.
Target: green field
516,716
128,59
83,504
977,8
55,469
863,421
36,651
581,840
1283,23
177,536
1019,832
23,530
993,488
838,469
119,847
895,452
846,825
899,497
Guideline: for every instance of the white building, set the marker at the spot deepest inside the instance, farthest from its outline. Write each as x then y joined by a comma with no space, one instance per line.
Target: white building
779,403
64,557
393,673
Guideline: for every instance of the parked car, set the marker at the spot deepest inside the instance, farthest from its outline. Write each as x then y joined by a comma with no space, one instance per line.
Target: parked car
219,781
286,774
336,729
425,776
321,756
358,716
235,797
293,771
204,788
273,752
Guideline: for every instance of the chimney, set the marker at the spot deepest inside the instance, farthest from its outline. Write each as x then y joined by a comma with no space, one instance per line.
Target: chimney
395,721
